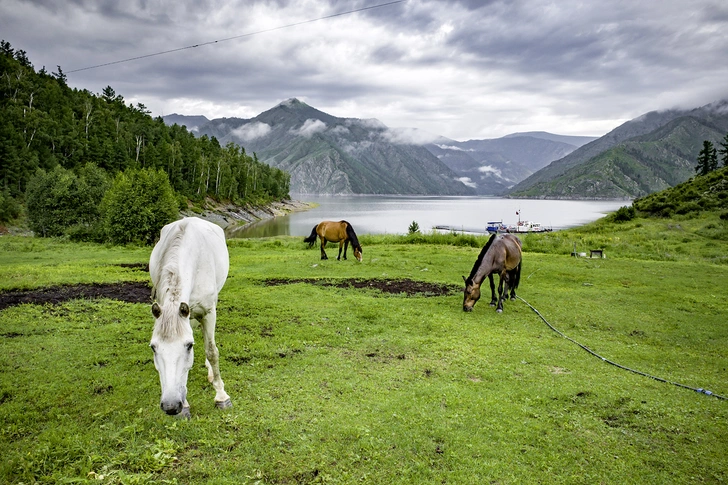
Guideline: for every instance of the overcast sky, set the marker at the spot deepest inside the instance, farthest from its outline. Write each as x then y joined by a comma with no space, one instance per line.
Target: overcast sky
461,69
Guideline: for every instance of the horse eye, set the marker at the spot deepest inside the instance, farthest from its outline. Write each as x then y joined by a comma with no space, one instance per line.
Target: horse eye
189,346
154,348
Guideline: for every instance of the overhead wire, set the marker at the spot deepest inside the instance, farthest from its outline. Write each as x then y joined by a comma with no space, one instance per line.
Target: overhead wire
249,34
696,389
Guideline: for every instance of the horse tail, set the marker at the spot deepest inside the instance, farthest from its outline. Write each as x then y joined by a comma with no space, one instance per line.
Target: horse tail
311,240
352,236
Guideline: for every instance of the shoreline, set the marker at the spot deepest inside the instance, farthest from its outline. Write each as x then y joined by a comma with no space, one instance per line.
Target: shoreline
230,216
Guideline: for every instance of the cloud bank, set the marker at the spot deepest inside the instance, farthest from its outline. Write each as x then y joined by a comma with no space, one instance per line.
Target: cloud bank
461,69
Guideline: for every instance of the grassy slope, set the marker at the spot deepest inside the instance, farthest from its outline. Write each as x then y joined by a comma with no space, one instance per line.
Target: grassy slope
339,386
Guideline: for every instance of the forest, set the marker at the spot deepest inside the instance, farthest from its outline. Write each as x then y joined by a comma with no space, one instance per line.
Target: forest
48,127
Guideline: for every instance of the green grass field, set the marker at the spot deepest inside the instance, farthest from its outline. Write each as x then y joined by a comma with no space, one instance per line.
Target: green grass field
345,385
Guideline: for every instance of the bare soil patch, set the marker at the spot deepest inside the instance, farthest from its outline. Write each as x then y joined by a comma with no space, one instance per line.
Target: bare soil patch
129,292
406,286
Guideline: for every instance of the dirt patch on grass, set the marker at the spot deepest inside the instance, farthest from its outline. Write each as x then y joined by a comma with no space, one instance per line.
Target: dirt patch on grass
129,292
406,286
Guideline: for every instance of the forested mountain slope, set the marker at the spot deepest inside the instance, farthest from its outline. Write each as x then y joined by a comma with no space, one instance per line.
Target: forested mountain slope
650,153
44,124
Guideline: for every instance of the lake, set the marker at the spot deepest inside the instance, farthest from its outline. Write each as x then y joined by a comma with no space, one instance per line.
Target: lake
371,214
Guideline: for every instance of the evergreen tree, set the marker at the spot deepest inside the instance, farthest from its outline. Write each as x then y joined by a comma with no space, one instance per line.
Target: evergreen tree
707,159
724,151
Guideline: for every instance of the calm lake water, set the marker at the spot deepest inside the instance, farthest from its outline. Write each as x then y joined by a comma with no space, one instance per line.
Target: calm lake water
393,214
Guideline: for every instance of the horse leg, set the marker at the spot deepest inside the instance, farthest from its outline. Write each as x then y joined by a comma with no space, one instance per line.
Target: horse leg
512,277
493,299
346,246
212,359
323,245
338,258
502,285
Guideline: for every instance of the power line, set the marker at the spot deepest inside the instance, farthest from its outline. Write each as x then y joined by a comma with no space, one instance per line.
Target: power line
249,34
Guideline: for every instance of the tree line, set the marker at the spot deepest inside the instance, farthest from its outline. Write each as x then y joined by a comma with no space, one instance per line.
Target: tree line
708,156
55,139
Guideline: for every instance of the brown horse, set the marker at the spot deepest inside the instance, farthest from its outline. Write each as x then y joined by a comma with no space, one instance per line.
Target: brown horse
340,232
502,255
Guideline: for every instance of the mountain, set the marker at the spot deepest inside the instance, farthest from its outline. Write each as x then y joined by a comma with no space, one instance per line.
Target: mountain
577,141
493,166
191,122
329,155
650,153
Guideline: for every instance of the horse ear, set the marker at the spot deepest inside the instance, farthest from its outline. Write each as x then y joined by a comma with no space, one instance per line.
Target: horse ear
156,311
465,279
184,310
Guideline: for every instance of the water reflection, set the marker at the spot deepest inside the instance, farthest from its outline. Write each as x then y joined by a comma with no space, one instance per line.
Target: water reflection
278,226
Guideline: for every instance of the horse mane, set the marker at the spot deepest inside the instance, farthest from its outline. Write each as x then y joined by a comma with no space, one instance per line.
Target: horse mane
170,324
352,236
479,261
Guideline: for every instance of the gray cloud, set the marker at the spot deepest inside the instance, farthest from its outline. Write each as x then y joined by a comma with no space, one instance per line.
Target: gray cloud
251,131
310,127
460,69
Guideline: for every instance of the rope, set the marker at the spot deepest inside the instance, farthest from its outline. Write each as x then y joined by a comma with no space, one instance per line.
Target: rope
699,389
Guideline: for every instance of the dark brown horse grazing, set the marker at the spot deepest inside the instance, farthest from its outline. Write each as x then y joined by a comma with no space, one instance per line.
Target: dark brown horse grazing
502,255
340,232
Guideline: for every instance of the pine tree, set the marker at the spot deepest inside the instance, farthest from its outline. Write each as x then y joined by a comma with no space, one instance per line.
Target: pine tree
707,159
724,151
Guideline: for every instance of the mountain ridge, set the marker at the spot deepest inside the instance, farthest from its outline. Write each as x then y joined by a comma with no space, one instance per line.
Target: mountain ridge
331,155
647,154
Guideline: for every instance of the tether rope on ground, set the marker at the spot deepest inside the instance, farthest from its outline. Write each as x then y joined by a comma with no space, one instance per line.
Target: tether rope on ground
698,389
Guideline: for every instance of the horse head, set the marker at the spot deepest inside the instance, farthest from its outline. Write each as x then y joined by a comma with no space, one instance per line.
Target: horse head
172,344
471,294
357,253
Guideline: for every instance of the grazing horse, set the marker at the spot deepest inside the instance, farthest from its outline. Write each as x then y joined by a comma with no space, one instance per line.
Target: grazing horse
502,255
188,267
340,232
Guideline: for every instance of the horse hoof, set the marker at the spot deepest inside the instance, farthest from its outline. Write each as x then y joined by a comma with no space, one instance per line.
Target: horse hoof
184,414
500,310
492,304
226,404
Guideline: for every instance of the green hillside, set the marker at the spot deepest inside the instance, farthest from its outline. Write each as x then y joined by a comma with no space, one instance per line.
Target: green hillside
704,193
45,124
631,161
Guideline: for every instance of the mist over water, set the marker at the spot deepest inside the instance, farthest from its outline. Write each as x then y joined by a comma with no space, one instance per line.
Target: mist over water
370,214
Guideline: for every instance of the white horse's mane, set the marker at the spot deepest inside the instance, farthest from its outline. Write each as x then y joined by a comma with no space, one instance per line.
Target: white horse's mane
170,324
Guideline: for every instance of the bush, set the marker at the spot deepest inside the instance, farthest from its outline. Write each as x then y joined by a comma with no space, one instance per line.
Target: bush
9,207
137,205
59,199
688,207
624,214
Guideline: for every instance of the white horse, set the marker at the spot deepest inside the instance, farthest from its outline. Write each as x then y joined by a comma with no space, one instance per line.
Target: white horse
188,267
